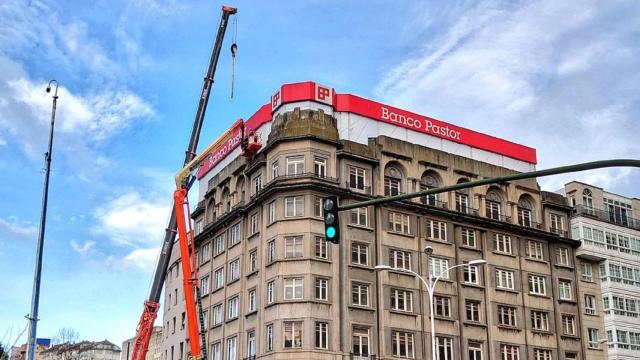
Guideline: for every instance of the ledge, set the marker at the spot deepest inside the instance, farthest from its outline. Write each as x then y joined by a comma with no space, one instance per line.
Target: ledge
496,252
473,323
401,312
359,307
509,327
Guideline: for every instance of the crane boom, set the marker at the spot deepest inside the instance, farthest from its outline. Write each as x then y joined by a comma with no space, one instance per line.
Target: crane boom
151,305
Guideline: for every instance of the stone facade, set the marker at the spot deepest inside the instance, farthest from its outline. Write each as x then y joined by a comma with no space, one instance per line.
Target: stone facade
153,351
274,289
89,350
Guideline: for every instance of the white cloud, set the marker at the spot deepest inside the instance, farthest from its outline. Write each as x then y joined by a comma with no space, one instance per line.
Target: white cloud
15,228
131,219
83,249
567,85
143,259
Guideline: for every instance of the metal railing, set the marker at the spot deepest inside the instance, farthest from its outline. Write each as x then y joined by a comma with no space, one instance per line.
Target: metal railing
499,217
354,356
430,201
607,216
563,233
530,224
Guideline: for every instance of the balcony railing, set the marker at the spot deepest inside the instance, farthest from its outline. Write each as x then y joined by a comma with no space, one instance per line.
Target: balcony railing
530,224
362,357
430,201
499,217
467,210
252,357
360,189
606,216
561,232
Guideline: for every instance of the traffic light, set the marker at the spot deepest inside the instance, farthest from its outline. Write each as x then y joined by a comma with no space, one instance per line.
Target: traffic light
331,223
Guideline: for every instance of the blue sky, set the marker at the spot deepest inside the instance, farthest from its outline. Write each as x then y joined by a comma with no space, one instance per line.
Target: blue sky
562,77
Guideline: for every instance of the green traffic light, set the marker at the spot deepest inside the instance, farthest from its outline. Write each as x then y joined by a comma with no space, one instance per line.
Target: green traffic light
331,232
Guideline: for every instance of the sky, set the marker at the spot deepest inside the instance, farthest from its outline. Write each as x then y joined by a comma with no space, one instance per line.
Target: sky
560,76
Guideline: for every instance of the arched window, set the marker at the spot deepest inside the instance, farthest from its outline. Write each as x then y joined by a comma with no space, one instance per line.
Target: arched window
525,211
240,190
587,201
429,180
463,204
392,180
226,198
211,210
493,204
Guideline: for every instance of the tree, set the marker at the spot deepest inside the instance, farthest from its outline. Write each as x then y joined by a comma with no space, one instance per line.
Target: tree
66,335
4,352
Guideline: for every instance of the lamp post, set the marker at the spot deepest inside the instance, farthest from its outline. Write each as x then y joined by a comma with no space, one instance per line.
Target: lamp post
35,296
430,285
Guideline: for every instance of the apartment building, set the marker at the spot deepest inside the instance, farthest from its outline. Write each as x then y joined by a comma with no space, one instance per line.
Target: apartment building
610,236
272,287
153,350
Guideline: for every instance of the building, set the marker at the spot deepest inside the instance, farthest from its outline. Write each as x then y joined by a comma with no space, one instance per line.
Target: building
89,350
20,352
610,236
153,351
273,288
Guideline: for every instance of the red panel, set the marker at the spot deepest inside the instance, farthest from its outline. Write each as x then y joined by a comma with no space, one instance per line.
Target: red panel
434,127
226,145
262,116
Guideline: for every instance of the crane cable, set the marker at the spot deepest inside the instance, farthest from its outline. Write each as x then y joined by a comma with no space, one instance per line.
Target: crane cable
234,49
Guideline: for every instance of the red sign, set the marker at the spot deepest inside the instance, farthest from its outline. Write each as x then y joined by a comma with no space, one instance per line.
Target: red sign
229,142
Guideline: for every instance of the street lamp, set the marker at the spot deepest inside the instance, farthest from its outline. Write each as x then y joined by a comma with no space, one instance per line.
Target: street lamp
35,296
430,285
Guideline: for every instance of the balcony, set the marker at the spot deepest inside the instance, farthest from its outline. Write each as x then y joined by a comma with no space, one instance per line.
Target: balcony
430,201
252,357
561,232
362,357
606,216
499,217
530,224
467,210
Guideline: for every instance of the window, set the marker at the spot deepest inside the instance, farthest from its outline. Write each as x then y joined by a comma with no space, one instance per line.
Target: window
539,320
275,169
292,246
473,310
205,318
402,344
589,304
253,261
317,206
216,351
322,286
468,237
541,354
587,272
251,343
475,350
232,307
271,292
257,184
252,300
493,209
359,254
534,250
205,253
471,275
271,251
204,285
564,289
360,294
235,235
234,270
502,243
442,306
360,341
292,334
217,315
232,343
219,278
444,348
437,230
322,248
269,338
438,267
254,223
293,288
562,256
322,335
320,167
356,178
524,216
295,165
219,244
173,329
183,322
594,340
504,279
398,222
272,212
509,352
359,216
401,300
537,285
293,206
462,203
557,224
507,315
400,259
569,324
392,186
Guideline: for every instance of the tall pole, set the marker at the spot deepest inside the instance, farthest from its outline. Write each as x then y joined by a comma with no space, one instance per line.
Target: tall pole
429,250
35,296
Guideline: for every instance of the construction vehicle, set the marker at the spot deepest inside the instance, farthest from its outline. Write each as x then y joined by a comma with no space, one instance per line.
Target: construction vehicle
150,312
